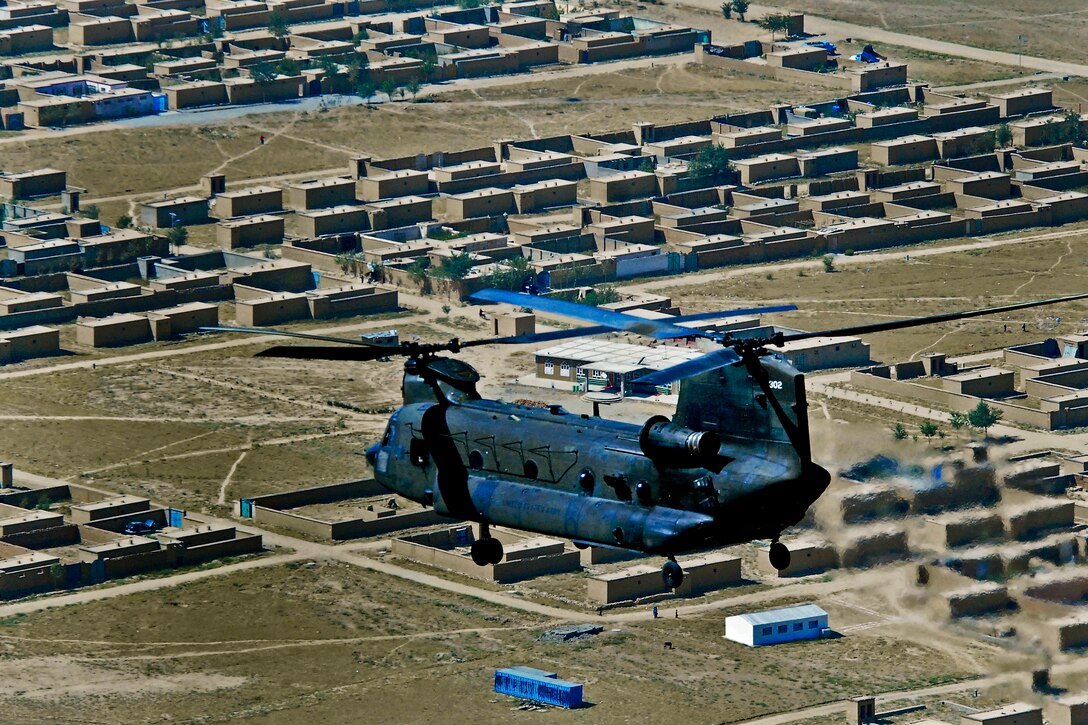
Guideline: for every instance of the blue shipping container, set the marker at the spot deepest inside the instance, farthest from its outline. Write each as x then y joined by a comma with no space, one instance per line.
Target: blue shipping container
539,686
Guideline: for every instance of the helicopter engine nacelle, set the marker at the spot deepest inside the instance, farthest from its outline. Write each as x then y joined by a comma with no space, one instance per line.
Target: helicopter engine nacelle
677,447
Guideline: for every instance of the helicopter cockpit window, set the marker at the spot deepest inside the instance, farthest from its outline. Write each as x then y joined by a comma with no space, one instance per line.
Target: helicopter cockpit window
531,470
388,436
475,460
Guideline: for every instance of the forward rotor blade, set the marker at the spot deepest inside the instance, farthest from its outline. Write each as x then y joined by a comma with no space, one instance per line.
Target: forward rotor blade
537,337
610,320
659,329
688,368
928,320
328,352
299,335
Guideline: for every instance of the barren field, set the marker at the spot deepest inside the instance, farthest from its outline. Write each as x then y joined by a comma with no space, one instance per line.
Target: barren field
331,642
934,68
860,293
146,162
1054,28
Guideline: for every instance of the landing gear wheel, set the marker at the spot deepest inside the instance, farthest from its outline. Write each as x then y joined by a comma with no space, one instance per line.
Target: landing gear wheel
481,552
780,556
494,551
486,551
672,574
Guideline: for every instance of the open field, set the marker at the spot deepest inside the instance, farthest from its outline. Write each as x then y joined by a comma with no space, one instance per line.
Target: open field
1054,28
331,641
859,293
933,68
146,162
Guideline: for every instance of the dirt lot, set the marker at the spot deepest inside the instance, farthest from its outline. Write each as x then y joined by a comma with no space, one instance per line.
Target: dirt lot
119,163
1054,28
328,641
859,294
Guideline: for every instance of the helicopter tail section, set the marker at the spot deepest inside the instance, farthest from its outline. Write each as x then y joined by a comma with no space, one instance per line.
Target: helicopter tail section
761,397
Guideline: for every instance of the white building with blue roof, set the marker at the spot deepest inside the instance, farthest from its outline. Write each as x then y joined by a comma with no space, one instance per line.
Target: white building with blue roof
775,626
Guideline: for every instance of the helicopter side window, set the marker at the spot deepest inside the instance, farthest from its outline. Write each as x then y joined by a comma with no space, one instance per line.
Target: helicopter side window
417,452
475,460
586,480
531,470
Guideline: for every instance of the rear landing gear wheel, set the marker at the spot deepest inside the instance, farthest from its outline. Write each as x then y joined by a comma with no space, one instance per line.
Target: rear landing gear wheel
780,556
486,551
481,552
494,551
672,574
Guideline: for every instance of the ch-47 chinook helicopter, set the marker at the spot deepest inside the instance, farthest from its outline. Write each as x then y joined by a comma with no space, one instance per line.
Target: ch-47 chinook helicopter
733,465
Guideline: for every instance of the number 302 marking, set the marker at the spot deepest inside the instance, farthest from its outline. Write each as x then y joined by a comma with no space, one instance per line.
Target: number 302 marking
775,384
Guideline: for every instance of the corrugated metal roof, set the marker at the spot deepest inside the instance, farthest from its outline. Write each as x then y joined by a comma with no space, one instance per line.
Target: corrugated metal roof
785,614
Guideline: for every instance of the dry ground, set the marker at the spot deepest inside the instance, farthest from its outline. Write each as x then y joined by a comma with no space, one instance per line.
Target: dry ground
860,294
117,164
934,68
331,642
1054,28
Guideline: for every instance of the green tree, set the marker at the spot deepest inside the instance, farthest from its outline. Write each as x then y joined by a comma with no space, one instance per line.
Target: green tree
417,270
899,432
600,296
829,263
928,429
509,275
429,65
456,266
277,24
288,67
389,87
91,211
177,236
330,67
1003,136
775,23
982,416
740,7
710,162
124,221
263,73
958,420
413,87
727,10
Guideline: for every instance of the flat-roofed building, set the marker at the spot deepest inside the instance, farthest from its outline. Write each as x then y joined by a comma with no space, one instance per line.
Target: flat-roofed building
407,182
28,342
182,211
113,331
183,319
320,193
248,202
250,231
776,626
351,299
333,220
108,508
272,310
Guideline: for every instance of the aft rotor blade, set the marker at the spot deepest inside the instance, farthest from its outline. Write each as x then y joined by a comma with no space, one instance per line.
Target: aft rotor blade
928,320
659,329
688,368
299,335
602,329
328,352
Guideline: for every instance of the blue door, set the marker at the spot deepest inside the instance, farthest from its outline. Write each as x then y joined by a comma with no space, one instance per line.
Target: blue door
176,518
246,508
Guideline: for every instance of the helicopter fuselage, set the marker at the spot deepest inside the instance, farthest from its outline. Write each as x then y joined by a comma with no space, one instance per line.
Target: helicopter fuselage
590,479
